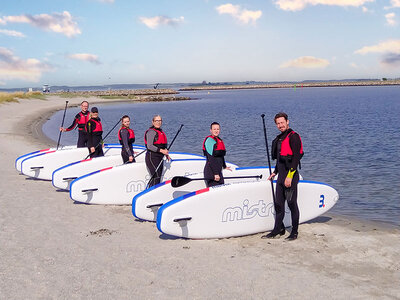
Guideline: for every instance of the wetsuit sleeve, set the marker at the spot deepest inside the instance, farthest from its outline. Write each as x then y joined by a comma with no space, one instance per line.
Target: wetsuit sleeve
150,137
90,127
295,144
209,145
124,137
74,123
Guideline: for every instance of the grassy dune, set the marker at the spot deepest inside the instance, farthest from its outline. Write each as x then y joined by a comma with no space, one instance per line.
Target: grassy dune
14,97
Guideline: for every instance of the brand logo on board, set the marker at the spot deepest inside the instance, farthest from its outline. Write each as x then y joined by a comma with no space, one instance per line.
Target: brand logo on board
245,212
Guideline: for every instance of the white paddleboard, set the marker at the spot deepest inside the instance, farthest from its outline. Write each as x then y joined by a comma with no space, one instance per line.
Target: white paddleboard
238,209
146,204
63,176
42,165
19,160
118,185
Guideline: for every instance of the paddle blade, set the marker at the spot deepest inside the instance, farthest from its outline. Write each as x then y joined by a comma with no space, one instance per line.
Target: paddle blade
178,181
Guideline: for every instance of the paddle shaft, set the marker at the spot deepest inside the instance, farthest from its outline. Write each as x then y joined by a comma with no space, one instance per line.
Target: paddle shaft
269,161
175,180
170,145
62,124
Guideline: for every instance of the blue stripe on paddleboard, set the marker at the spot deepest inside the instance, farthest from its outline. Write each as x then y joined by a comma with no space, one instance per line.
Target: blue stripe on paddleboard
144,192
32,157
187,159
316,182
187,154
79,178
66,166
34,152
168,204
250,168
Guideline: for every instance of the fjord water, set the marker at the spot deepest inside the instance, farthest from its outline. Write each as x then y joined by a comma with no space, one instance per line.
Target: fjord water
351,135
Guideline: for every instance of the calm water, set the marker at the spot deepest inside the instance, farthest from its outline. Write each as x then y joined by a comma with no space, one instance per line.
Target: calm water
351,136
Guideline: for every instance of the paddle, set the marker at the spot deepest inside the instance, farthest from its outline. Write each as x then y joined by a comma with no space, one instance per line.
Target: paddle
104,137
170,145
62,124
178,181
127,162
269,161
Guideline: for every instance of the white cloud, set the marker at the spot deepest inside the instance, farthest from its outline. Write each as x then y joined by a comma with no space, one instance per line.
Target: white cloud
389,46
156,21
94,59
308,62
354,65
13,67
56,22
106,1
242,15
390,19
12,33
294,5
365,9
395,3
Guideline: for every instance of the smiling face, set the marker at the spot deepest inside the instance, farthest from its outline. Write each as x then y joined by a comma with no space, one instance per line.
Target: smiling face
282,124
126,122
215,130
84,106
157,122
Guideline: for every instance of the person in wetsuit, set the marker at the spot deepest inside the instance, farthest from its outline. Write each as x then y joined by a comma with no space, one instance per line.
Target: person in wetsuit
94,130
156,145
214,150
287,149
126,137
80,121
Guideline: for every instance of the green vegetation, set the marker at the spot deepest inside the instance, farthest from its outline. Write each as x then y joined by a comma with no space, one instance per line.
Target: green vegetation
14,97
71,95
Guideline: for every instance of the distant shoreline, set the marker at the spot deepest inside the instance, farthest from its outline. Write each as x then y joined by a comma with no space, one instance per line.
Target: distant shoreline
292,85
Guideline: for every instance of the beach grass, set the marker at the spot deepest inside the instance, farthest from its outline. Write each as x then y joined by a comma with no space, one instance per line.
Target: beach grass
15,96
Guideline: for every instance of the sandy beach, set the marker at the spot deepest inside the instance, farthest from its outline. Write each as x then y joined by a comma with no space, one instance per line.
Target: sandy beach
52,248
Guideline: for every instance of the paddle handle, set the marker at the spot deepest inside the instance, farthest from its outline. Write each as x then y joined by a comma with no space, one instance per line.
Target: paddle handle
62,124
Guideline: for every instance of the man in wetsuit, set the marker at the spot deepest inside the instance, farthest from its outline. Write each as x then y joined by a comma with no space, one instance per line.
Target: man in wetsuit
80,120
214,151
287,149
156,144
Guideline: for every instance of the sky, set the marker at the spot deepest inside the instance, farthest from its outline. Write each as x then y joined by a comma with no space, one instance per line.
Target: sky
102,42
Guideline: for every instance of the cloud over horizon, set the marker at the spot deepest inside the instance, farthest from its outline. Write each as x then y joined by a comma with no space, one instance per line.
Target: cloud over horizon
94,59
390,50
307,62
13,67
12,33
156,21
390,19
295,5
57,22
244,16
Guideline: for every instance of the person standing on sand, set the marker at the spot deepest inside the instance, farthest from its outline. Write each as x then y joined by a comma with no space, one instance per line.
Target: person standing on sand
80,121
214,150
94,130
156,145
287,149
126,137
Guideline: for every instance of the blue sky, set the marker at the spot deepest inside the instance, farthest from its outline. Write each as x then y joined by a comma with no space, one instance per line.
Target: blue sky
96,42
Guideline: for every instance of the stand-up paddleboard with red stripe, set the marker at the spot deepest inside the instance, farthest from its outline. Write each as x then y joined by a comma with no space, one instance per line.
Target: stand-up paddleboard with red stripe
146,204
62,177
42,165
19,160
238,209
121,183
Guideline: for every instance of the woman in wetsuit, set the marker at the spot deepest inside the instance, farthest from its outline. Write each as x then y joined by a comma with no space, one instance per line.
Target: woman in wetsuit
94,130
156,144
126,137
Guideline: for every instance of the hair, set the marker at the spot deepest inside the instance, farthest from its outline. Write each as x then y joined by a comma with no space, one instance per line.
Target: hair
156,117
281,115
84,101
122,119
214,123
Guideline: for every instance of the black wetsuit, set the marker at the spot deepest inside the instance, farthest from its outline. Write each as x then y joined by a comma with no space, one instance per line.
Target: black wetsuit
214,165
94,138
154,158
127,148
82,134
283,166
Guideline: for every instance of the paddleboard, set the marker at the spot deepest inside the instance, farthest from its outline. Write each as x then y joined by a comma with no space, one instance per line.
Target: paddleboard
118,185
19,160
238,209
42,165
63,176
146,204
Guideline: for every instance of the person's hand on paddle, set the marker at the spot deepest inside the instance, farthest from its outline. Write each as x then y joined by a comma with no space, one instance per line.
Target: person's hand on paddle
130,158
92,149
217,178
271,177
228,168
63,129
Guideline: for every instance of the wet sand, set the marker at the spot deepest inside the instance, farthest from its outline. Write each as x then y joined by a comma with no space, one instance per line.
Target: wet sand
53,248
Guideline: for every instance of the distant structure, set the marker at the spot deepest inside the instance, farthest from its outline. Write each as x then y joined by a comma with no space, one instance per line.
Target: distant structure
156,86
46,88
